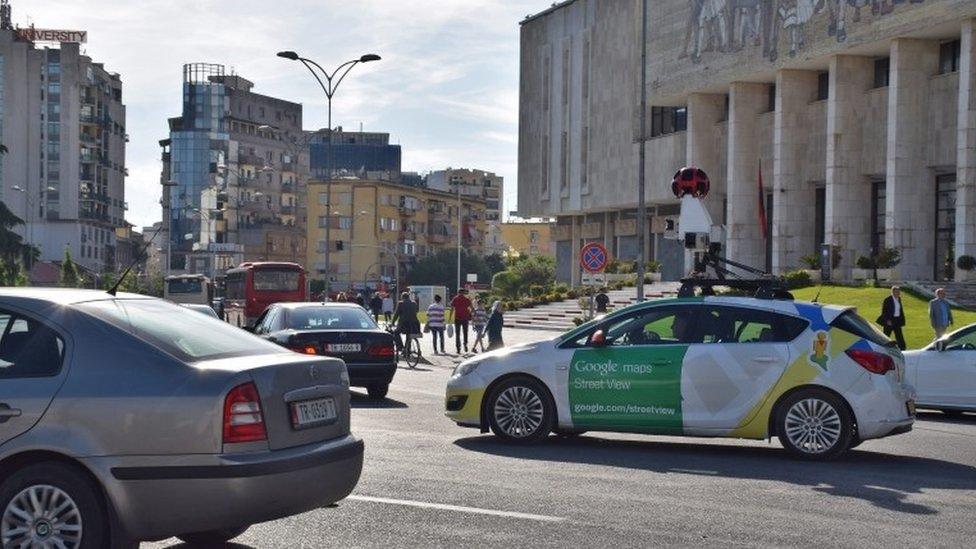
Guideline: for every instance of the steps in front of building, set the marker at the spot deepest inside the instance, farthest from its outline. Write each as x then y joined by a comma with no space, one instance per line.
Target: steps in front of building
960,294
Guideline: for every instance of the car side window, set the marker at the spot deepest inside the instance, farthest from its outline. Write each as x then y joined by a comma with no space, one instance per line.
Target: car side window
261,324
28,348
744,325
665,325
963,342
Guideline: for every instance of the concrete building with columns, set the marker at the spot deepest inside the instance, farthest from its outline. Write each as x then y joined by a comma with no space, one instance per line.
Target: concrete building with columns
862,121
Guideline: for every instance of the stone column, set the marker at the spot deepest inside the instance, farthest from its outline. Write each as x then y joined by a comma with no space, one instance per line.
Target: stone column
848,192
795,199
910,206
704,151
966,150
744,241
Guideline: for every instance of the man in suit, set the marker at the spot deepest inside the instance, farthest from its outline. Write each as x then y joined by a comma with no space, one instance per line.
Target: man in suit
940,313
892,317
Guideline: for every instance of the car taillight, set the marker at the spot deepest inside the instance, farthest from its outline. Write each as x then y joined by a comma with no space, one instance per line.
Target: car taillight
874,362
243,420
305,349
383,349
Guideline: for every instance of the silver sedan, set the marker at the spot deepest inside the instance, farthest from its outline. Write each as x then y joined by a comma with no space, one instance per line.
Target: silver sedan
130,418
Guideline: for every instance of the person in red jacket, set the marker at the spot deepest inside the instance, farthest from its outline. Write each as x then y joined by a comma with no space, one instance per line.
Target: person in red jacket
462,318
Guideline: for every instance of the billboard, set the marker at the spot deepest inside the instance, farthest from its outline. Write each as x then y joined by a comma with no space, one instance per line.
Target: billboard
52,35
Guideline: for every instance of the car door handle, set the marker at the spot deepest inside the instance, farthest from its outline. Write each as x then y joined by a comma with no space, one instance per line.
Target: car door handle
765,359
6,412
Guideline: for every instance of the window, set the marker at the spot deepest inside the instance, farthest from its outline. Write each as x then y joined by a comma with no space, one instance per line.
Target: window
28,348
649,326
564,161
668,120
823,86
275,281
333,318
853,323
949,57
881,72
771,98
878,192
741,325
963,341
181,332
345,222
544,161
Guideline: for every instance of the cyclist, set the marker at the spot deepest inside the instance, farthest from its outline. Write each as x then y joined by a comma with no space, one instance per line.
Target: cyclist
405,319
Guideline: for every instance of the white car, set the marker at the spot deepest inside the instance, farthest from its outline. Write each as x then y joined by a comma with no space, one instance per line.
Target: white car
818,377
944,373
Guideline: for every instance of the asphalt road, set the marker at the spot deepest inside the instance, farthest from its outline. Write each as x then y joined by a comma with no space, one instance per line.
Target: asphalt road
427,483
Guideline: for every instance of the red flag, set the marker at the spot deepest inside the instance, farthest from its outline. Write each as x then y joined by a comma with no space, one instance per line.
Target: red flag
762,205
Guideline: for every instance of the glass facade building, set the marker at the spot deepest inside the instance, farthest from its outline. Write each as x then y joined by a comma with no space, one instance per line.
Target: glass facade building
359,153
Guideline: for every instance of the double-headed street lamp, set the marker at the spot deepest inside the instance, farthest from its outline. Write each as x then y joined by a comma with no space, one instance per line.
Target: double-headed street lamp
28,213
329,86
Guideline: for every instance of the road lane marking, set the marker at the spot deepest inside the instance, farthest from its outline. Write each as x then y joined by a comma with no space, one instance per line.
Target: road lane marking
457,508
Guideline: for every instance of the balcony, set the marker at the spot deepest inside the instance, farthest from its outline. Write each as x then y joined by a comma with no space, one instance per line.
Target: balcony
89,140
254,206
437,238
88,157
406,211
287,209
437,215
289,167
247,159
288,188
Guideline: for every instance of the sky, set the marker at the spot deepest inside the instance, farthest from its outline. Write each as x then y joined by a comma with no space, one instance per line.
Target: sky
446,89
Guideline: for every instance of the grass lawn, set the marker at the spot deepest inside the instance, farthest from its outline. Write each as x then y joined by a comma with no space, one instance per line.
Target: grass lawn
917,331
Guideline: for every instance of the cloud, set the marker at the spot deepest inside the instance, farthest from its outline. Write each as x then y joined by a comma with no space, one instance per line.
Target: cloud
446,89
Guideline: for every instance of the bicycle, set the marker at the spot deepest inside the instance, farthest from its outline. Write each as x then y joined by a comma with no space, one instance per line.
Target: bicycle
409,353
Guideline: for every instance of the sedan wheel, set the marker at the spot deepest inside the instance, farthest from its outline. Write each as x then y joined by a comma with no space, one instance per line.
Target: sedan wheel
50,506
814,424
519,410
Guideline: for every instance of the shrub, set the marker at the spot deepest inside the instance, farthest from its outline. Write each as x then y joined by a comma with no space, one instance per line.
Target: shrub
577,320
797,279
888,258
966,262
536,290
625,267
561,288
652,267
648,279
865,262
812,262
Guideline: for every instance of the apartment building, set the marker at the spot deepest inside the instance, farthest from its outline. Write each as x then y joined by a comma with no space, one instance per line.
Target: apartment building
62,121
477,184
376,225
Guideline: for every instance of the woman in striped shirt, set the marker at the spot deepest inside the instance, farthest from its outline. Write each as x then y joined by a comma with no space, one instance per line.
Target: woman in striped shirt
435,322
480,318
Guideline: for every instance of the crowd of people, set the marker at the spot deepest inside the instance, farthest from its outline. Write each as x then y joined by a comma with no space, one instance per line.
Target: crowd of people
469,321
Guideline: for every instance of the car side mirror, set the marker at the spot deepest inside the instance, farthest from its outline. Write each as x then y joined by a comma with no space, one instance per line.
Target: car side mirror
598,339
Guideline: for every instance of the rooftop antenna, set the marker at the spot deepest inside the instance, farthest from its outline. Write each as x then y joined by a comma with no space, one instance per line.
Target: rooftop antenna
816,298
115,287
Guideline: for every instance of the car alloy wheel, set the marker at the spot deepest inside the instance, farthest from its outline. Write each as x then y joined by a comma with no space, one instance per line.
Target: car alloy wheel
41,516
813,425
519,411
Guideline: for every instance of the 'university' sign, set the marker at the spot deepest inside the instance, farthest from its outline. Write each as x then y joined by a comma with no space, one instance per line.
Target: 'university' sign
53,35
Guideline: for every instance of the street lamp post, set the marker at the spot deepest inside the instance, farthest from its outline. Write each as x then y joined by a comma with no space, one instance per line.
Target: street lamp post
330,86
458,289
168,212
641,206
28,214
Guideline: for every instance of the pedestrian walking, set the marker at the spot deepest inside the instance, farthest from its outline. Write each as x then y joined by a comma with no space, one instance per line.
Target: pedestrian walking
435,322
387,307
376,306
940,313
602,300
462,318
495,322
479,319
361,300
892,318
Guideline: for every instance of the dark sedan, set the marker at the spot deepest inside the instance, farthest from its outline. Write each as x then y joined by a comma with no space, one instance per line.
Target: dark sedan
341,330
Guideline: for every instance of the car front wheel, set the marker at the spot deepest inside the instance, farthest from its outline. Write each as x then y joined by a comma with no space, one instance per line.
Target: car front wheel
520,411
213,537
814,424
51,505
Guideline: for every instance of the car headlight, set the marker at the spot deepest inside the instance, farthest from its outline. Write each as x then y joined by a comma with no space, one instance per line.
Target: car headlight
466,368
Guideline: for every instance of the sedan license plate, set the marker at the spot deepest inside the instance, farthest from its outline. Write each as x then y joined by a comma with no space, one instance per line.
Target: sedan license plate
911,407
343,347
309,413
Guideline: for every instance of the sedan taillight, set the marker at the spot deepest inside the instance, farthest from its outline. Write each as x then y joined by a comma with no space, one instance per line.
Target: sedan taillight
383,349
305,349
243,420
872,361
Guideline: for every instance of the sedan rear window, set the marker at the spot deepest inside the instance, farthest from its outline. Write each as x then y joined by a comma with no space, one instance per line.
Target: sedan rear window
185,334
853,323
329,318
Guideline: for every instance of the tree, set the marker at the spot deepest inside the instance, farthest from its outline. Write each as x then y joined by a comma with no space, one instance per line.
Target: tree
70,277
12,246
130,284
537,270
440,269
506,284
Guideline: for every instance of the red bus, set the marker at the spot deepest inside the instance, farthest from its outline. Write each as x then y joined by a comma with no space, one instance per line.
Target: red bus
252,287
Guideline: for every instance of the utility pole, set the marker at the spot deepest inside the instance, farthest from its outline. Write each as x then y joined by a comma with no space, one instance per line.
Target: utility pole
641,206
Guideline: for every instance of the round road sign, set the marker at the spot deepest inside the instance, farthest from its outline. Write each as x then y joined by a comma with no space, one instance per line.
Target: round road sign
594,257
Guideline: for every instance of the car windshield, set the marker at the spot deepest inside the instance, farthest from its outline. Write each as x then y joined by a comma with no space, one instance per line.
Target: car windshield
329,318
181,332
275,281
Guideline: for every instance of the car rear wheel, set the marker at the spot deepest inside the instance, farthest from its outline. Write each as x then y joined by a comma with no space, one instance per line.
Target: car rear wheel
814,424
213,537
51,505
520,411
377,391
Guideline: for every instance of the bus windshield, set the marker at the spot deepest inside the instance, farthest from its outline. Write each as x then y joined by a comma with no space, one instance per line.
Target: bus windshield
276,281
184,285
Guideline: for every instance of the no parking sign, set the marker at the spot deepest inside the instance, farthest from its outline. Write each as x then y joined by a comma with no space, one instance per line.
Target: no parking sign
594,257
